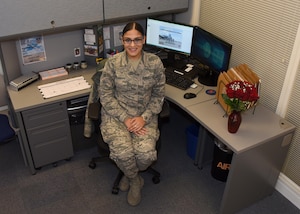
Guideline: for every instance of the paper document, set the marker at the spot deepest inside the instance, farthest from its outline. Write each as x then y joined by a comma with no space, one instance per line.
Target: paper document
63,87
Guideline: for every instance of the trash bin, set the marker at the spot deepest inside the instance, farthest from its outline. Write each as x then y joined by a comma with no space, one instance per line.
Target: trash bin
192,133
221,161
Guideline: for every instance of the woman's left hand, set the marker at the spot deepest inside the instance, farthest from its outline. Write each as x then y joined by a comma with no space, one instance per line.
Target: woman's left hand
136,124
143,131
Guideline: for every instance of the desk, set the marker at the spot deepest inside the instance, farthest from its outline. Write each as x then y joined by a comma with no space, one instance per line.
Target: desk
259,147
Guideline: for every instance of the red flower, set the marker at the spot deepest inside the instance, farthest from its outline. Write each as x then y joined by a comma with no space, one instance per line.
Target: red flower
240,95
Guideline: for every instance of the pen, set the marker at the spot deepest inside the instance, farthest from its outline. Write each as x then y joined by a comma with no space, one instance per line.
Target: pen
178,72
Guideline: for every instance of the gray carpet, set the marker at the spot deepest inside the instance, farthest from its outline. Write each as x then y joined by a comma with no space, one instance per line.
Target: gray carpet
72,187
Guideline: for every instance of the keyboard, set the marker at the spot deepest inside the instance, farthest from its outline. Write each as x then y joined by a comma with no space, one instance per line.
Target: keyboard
177,80
63,87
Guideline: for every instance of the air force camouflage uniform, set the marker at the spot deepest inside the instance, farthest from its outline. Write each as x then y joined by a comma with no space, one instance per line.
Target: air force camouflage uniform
127,92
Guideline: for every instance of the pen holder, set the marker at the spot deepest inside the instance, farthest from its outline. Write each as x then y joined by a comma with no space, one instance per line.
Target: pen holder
76,65
69,67
110,53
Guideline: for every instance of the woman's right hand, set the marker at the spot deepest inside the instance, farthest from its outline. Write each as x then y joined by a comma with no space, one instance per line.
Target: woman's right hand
134,126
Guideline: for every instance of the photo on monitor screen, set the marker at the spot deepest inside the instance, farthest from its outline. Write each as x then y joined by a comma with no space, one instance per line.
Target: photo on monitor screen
169,35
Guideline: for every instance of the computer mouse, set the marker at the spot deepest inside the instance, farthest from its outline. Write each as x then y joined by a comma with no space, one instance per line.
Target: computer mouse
189,95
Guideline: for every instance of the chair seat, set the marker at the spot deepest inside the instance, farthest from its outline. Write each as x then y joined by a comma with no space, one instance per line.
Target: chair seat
7,133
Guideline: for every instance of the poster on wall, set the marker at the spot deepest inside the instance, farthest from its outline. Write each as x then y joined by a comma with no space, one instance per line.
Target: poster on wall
90,46
33,50
118,30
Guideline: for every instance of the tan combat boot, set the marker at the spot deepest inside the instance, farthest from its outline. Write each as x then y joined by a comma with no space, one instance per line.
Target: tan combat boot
134,195
124,184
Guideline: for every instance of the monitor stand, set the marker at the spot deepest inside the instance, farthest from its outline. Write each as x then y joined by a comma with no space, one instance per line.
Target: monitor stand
172,61
208,77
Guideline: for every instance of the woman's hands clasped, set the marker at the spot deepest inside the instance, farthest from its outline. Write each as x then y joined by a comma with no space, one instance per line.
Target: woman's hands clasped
136,125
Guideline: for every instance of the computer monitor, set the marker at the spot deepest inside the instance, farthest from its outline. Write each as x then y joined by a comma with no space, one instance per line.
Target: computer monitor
212,52
170,36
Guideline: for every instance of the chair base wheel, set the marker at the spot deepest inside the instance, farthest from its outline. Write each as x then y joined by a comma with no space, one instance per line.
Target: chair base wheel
92,165
115,191
155,179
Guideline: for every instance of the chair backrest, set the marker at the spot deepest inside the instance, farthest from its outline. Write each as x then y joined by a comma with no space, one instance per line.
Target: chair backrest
7,133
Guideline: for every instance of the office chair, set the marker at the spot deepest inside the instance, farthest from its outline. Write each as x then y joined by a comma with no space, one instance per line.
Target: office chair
8,132
94,114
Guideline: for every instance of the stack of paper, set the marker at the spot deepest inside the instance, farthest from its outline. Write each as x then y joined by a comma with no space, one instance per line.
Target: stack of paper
56,72
63,87
241,72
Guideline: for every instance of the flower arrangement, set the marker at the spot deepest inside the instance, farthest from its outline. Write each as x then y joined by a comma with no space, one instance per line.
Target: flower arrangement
240,95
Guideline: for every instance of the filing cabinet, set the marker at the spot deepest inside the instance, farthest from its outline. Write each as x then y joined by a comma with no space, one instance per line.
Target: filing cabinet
48,133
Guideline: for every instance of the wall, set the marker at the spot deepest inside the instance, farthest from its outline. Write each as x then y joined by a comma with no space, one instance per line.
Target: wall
192,16
3,94
59,51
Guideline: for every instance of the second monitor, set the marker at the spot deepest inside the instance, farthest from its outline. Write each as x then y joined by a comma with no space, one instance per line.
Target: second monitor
213,53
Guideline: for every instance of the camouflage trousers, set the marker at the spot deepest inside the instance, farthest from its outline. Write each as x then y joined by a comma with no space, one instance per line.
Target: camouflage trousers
130,152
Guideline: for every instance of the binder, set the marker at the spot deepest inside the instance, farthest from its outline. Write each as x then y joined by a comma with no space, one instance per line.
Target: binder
56,72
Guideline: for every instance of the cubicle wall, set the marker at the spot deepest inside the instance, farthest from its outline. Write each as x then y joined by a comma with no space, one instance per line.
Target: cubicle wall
3,94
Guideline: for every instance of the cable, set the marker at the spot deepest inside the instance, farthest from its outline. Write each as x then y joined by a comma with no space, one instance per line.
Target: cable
202,87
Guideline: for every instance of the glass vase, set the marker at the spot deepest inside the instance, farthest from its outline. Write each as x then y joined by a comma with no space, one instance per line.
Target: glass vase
234,121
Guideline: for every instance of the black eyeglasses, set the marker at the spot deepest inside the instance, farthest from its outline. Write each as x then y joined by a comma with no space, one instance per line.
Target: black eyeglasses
136,41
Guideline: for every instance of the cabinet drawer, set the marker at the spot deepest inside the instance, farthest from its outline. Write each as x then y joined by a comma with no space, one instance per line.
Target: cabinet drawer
50,143
45,115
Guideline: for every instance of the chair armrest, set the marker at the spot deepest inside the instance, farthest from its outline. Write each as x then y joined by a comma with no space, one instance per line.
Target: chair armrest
94,111
165,112
7,113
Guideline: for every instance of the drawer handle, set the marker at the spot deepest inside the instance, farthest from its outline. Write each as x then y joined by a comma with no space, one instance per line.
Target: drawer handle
76,108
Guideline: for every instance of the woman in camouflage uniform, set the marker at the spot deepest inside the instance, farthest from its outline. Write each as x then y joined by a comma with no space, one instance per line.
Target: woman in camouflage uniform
131,93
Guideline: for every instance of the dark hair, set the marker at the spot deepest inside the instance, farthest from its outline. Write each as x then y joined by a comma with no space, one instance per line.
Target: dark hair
133,25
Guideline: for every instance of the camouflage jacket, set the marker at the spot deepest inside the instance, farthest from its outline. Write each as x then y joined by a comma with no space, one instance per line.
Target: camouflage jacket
125,92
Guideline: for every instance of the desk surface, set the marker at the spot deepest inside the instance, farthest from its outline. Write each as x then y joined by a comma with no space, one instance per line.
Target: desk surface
176,95
30,96
256,128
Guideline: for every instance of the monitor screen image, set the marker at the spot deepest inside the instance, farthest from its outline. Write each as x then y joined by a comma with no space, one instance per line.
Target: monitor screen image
211,51
169,35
